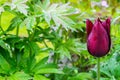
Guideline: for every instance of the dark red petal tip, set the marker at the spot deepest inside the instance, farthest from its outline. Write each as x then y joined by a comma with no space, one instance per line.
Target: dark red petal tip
106,25
89,26
108,20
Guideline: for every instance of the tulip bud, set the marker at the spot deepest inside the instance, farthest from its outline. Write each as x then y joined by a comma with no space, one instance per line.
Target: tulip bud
98,37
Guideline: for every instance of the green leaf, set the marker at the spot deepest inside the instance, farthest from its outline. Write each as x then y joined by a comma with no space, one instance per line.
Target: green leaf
63,51
35,47
2,78
26,51
29,22
4,64
5,46
19,76
43,66
74,45
31,46
14,23
49,70
81,76
2,70
70,46
46,4
40,77
37,65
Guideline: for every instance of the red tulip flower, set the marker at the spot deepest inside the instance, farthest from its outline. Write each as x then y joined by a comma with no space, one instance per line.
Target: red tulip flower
98,37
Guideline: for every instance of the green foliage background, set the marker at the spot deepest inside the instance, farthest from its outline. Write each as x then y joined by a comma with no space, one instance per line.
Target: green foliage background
46,39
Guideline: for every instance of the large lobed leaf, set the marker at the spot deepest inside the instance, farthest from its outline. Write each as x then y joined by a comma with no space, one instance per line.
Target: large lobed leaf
19,5
58,13
68,47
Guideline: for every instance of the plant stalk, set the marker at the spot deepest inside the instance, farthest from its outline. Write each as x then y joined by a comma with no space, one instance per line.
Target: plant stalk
55,58
98,68
17,31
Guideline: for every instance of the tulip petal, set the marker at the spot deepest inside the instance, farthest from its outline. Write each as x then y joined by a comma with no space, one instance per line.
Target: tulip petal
98,41
106,25
89,26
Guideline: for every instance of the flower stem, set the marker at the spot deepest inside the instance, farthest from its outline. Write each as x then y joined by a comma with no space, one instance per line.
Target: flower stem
98,68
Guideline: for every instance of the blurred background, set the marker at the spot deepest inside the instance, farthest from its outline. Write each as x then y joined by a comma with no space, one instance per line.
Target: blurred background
46,39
